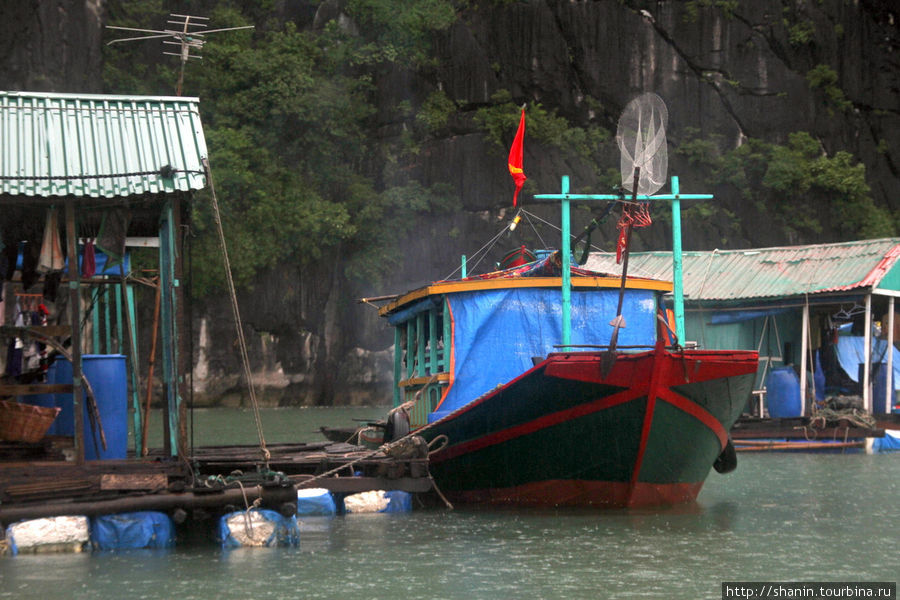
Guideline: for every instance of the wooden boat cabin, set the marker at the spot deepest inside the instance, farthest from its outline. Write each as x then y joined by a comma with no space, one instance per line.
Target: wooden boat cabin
456,340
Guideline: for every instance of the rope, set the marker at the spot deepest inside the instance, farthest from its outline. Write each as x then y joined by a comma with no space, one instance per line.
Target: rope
245,358
387,449
248,519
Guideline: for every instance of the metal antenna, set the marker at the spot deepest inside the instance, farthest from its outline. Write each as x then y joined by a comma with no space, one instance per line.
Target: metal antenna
188,36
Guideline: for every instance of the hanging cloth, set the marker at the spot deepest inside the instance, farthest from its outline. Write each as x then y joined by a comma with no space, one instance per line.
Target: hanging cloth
30,254
51,258
8,257
89,260
113,231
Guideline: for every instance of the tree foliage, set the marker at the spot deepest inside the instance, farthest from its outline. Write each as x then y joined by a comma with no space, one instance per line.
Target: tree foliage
797,184
288,117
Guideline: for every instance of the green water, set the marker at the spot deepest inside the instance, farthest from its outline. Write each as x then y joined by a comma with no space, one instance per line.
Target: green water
785,517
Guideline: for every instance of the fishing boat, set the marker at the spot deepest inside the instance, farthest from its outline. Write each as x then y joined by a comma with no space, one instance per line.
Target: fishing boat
546,384
531,424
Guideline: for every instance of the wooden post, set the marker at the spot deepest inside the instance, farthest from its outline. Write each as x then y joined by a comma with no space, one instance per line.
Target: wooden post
398,365
677,264
169,351
75,313
867,364
804,349
566,250
889,379
183,365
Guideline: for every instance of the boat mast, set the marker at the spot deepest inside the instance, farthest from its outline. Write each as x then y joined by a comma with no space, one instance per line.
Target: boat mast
565,248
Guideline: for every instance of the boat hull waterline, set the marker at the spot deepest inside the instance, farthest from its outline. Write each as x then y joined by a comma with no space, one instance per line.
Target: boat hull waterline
565,434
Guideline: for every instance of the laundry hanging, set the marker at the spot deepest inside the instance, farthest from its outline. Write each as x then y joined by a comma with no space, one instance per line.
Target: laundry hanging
113,231
51,257
89,260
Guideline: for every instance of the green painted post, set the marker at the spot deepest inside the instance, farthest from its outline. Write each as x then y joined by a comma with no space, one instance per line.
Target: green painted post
410,346
120,334
432,341
675,197
95,320
565,248
420,345
677,268
398,365
169,345
107,330
135,380
464,275
448,337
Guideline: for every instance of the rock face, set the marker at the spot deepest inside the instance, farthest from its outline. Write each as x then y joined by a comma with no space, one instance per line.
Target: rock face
51,46
736,69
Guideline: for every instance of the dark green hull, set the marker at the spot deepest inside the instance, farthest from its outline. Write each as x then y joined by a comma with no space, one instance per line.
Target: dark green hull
563,434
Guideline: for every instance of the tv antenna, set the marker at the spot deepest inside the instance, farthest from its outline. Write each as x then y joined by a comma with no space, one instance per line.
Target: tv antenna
188,36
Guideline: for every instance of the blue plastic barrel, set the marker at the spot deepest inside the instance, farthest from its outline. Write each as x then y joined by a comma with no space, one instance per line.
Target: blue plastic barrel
879,387
783,393
108,378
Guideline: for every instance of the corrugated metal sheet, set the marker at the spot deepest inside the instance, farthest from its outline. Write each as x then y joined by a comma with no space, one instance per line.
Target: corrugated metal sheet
98,145
734,275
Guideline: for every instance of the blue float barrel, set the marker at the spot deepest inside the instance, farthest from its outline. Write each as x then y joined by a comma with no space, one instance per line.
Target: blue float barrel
783,393
108,378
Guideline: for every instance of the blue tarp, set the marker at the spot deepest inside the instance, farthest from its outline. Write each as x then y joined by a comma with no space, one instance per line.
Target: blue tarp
497,332
398,502
315,502
851,351
123,531
889,443
285,533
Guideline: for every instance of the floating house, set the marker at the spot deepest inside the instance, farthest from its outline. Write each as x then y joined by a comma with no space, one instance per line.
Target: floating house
92,176
823,314
84,181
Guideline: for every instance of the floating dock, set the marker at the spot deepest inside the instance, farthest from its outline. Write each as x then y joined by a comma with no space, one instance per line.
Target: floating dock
36,482
753,434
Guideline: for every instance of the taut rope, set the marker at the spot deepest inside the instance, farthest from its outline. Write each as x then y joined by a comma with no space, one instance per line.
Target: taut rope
245,359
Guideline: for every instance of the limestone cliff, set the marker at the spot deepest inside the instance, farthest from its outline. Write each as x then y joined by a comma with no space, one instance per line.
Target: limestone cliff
738,69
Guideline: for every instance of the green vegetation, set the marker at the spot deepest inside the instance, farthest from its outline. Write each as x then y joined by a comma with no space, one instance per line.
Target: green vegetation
796,185
308,168
288,118
692,8
801,33
825,78
500,119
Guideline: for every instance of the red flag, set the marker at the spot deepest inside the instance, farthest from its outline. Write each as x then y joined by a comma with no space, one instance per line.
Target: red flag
515,158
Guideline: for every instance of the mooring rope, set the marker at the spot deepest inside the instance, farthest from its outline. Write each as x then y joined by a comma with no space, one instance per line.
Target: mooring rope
387,450
245,359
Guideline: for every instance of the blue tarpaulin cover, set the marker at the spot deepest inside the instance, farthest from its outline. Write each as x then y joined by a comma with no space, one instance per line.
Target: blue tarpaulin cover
285,531
315,502
497,332
889,443
398,502
146,529
851,352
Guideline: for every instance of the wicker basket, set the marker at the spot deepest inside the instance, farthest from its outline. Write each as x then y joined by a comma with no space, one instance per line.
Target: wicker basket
24,422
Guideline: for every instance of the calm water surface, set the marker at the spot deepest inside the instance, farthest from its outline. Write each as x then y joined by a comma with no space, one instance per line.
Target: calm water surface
788,517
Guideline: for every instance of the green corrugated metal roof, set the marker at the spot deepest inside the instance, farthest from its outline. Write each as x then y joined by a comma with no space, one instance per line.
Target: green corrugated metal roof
758,273
98,145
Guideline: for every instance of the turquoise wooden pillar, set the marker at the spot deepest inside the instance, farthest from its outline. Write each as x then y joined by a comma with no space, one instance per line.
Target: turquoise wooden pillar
566,250
169,333
565,246
677,268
